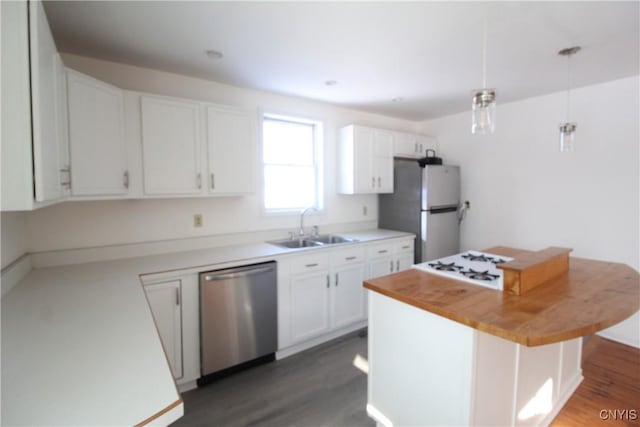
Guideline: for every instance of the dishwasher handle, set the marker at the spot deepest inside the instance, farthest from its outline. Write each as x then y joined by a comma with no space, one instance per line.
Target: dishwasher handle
238,273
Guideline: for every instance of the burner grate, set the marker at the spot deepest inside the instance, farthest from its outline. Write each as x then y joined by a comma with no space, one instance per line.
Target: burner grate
479,275
440,266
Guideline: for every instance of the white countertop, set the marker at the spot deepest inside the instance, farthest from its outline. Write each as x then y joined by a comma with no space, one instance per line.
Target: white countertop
79,345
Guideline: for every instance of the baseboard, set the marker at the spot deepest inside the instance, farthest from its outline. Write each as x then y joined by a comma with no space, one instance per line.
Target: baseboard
378,417
12,274
297,348
562,400
619,338
189,385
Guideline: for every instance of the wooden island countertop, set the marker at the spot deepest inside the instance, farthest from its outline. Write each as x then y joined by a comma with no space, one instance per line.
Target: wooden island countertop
591,296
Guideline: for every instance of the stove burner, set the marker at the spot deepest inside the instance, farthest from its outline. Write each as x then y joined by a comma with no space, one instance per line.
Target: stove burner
483,258
445,267
479,275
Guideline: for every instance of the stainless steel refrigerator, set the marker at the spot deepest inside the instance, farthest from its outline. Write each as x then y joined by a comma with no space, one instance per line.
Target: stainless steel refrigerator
425,202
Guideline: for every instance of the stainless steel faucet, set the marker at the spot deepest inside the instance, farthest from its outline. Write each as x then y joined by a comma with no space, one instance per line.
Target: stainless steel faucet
304,211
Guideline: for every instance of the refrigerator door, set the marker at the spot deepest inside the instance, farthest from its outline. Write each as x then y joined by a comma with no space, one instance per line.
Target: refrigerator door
440,186
440,234
400,210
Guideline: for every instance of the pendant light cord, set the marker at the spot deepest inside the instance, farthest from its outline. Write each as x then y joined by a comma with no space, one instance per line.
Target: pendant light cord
568,87
484,52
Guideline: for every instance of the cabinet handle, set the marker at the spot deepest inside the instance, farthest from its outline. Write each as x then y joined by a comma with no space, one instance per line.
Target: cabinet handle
415,147
350,258
373,181
213,182
177,296
328,281
336,279
379,182
66,183
421,148
398,265
315,264
125,179
406,247
383,251
199,181
391,266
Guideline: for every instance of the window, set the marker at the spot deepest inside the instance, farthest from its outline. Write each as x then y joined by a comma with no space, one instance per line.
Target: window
291,156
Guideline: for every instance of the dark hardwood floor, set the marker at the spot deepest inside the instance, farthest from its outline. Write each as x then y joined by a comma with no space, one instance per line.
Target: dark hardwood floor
321,387
318,387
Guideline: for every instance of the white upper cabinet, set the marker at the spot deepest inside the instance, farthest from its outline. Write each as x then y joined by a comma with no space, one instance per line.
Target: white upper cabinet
96,137
33,133
412,145
171,146
44,98
365,160
231,145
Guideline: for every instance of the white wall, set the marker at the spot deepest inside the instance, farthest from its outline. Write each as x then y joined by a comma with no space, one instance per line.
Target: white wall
88,224
525,193
14,236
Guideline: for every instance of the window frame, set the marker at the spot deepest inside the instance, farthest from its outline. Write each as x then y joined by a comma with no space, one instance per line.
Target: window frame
318,161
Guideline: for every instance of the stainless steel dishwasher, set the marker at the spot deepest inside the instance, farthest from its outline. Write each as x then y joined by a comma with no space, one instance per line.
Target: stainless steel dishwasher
238,318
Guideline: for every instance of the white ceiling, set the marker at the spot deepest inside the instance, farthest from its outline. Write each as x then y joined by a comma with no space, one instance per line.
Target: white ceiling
428,53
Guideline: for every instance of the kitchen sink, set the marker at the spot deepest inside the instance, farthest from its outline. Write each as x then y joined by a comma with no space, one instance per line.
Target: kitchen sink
297,243
309,242
329,239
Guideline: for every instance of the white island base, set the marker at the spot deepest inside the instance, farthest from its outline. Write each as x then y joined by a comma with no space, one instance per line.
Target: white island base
426,370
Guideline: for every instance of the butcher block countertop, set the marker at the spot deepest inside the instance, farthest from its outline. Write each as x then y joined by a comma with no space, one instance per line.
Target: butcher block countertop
592,296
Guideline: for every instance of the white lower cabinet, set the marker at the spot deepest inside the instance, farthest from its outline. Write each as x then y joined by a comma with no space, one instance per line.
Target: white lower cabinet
321,293
308,291
174,305
348,296
389,257
164,299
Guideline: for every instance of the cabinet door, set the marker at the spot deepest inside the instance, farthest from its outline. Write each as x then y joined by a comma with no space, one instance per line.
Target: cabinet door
405,145
46,139
404,261
62,127
171,146
380,266
17,154
309,305
348,302
364,175
96,137
231,152
164,299
383,161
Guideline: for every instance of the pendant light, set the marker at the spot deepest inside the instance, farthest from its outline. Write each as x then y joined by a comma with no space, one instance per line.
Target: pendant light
568,128
483,103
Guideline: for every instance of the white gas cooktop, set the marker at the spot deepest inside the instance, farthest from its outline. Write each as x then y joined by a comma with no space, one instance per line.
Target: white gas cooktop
474,267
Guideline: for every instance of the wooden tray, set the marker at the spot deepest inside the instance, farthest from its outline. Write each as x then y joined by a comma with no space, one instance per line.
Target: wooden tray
531,270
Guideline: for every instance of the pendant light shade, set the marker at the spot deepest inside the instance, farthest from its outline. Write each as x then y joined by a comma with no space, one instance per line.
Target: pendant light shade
483,103
568,128
483,112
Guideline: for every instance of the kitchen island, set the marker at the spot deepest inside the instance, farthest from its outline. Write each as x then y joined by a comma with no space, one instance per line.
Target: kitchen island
445,352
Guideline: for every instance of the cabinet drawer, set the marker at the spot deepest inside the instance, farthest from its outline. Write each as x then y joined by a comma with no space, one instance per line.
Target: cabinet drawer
309,263
406,246
381,249
347,256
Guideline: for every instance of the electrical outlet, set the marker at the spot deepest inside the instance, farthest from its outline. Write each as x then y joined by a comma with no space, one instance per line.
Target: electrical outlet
364,210
197,220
